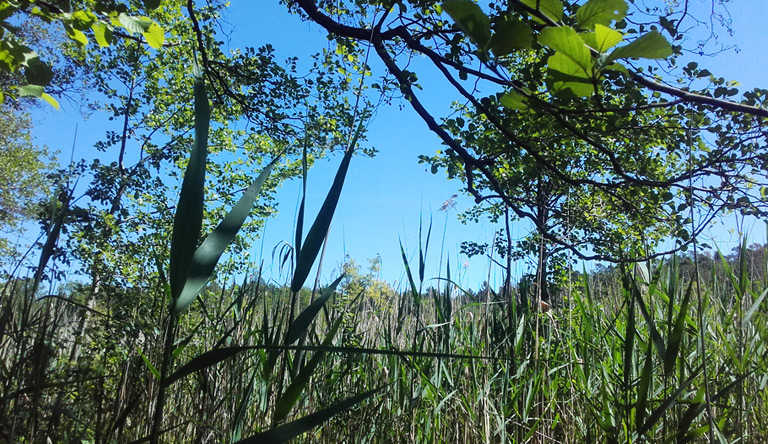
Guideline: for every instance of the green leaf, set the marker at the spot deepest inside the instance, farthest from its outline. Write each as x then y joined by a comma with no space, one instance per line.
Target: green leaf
203,361
189,212
151,4
291,395
301,324
154,35
658,413
134,24
83,20
51,101
676,336
514,100
567,41
300,426
76,35
471,19
149,365
600,12
37,72
207,255
31,91
650,46
606,38
643,387
319,229
751,312
510,35
553,9
103,34
565,77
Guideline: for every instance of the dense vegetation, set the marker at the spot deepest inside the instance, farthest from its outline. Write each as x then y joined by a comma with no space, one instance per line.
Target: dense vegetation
569,125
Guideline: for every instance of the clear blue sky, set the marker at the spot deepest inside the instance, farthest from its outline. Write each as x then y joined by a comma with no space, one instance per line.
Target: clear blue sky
384,196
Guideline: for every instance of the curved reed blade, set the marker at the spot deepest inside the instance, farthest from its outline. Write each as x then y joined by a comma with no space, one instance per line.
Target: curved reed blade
207,255
300,426
301,324
189,212
316,235
291,396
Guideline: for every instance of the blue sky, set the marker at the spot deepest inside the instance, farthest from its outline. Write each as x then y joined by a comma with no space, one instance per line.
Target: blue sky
384,196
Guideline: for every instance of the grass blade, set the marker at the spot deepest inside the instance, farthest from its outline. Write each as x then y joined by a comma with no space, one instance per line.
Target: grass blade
300,426
188,220
753,309
205,360
294,390
301,324
207,256
676,337
319,229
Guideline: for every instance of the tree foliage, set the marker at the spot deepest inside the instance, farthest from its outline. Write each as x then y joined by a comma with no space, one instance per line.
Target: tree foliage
565,117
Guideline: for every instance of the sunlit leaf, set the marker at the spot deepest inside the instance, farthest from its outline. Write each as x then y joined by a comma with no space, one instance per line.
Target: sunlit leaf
650,46
606,38
601,12
566,41
154,35
103,34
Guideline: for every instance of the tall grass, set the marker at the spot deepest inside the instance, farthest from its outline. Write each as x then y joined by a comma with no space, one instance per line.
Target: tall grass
183,359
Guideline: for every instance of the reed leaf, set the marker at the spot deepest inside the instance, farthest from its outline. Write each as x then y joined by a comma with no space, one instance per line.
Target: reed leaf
207,255
300,426
676,336
301,324
316,235
291,395
188,220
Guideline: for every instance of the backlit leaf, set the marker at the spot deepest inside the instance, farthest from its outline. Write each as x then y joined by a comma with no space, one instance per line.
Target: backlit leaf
553,9
154,35
471,19
601,12
103,34
650,46
606,38
568,43
510,35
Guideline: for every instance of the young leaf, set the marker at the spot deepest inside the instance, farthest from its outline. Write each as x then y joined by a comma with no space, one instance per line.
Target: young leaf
471,19
606,38
207,255
138,25
300,325
103,34
601,12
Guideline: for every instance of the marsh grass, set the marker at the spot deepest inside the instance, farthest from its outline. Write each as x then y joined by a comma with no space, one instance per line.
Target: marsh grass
633,356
